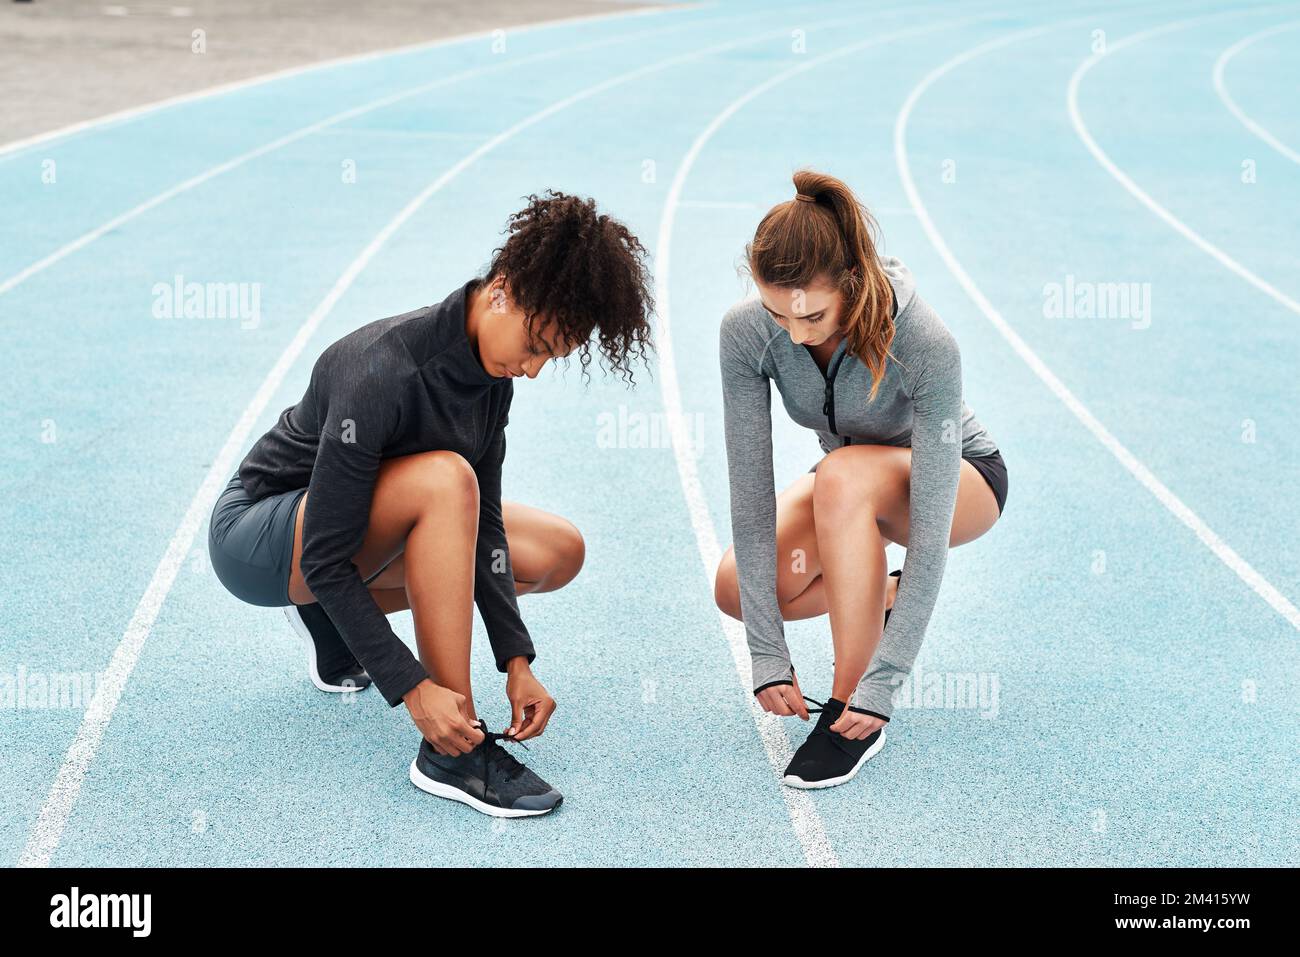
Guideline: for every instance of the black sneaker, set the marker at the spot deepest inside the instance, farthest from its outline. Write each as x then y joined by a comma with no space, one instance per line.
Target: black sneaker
488,779
828,758
330,665
896,573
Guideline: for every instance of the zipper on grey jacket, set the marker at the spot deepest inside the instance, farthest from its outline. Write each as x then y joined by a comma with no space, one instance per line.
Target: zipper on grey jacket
828,402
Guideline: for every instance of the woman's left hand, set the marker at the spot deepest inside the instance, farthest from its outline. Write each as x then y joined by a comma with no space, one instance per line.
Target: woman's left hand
855,726
531,706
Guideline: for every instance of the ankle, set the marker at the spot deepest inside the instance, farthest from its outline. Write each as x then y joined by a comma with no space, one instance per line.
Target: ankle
842,690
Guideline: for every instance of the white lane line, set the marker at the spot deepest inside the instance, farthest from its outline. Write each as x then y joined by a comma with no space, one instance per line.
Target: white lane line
198,180
57,809
1072,100
808,826
195,181
1221,88
1168,499
135,112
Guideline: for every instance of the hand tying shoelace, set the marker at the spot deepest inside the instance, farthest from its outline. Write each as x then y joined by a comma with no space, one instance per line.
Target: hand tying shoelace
826,757
492,750
825,727
487,777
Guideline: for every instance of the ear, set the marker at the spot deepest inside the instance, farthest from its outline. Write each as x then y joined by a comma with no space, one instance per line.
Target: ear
498,295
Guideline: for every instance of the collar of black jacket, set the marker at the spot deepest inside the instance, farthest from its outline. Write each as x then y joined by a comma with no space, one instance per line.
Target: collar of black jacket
464,366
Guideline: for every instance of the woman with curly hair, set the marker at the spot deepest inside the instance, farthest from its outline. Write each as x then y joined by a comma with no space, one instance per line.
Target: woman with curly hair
381,491
863,361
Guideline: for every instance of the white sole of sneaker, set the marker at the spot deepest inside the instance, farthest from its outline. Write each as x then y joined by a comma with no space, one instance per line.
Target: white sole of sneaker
437,788
797,782
304,633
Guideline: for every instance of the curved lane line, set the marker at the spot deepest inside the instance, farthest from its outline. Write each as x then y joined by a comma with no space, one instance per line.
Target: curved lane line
1221,88
235,162
807,823
54,814
1137,469
1076,119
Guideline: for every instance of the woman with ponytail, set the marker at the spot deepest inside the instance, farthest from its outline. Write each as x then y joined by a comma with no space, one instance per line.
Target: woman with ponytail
863,361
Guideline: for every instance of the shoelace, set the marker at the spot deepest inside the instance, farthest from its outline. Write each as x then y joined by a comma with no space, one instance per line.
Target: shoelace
493,750
835,737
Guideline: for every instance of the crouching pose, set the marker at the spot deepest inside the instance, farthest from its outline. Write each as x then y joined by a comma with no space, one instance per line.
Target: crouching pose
861,359
380,491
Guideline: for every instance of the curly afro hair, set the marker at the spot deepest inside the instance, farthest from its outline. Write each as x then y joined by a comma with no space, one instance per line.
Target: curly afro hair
584,270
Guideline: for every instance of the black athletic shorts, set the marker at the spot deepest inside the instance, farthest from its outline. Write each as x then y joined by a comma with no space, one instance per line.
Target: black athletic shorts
990,466
994,471
250,544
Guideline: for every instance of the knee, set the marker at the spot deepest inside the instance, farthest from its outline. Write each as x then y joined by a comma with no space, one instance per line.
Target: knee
839,485
570,552
726,594
445,477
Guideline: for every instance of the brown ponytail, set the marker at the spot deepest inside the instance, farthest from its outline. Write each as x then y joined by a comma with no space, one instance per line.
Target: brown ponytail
824,232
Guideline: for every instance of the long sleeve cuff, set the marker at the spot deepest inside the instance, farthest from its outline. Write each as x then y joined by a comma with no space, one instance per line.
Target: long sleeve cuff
514,646
396,684
506,632
875,692
393,669
770,670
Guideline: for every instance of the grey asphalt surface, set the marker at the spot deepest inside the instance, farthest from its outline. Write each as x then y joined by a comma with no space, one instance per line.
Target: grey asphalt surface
67,61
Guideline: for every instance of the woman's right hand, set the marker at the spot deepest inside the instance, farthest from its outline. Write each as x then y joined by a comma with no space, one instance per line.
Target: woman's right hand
442,718
785,700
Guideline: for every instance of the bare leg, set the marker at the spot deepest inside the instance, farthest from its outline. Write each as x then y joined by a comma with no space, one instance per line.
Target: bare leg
799,586
426,553
427,506
439,553
546,553
851,550
879,485
390,600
